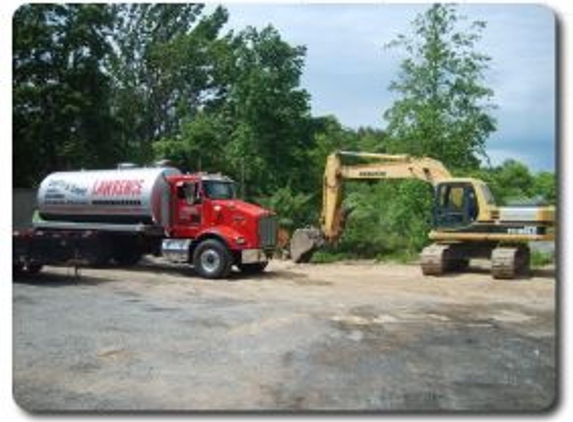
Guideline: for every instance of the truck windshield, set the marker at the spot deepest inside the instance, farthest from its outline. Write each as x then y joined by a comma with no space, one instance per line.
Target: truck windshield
216,189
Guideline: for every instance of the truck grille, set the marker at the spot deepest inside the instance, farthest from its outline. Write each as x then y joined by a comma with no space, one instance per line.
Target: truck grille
268,228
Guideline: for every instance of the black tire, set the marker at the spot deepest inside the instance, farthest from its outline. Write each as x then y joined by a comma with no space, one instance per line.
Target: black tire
34,268
100,253
127,258
212,259
254,268
98,260
17,269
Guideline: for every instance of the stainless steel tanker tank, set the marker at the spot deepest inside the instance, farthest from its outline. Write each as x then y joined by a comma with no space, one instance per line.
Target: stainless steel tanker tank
121,196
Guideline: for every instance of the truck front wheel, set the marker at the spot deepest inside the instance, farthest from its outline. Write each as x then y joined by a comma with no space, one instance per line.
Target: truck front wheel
212,259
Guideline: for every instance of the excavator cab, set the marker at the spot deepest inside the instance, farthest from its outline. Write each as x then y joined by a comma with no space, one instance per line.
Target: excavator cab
455,205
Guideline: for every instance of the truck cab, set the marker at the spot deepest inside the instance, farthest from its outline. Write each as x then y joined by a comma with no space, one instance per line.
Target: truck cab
214,230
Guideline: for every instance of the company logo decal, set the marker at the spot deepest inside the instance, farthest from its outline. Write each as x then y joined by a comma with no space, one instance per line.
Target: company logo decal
108,188
372,173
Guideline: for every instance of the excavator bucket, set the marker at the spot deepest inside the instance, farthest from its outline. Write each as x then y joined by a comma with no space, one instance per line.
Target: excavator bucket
304,243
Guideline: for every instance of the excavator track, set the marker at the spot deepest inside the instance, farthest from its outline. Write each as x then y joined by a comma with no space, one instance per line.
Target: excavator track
507,262
434,259
438,259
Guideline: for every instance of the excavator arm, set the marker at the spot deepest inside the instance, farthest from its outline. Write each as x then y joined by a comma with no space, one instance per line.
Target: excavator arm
382,166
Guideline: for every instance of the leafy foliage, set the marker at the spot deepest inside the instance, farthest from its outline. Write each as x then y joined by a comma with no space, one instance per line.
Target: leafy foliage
292,208
540,259
164,70
381,222
268,110
545,186
62,111
513,183
443,108
258,129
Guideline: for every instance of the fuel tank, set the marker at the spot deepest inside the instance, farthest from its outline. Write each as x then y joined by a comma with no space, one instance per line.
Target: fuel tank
121,196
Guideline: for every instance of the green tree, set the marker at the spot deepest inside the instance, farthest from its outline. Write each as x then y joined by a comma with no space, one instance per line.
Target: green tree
61,109
545,186
514,180
372,140
269,111
443,108
258,129
329,136
198,146
293,208
164,70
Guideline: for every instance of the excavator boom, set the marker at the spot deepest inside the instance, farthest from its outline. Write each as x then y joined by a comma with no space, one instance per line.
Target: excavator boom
379,166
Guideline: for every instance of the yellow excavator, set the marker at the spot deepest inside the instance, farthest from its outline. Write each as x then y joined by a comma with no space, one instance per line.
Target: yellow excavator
467,223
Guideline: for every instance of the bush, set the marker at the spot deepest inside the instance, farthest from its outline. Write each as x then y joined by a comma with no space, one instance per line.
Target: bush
388,220
293,209
541,259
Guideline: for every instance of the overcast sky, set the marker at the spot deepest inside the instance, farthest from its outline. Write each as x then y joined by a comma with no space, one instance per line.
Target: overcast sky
348,71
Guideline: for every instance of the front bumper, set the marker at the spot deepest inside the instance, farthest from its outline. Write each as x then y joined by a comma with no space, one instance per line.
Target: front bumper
251,256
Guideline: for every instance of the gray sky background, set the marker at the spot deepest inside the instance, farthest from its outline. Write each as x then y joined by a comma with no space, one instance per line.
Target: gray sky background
348,71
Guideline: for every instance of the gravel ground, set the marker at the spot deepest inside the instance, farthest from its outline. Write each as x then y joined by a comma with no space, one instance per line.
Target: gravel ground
352,336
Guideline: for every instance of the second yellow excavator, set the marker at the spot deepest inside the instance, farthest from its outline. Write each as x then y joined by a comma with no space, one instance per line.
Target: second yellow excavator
467,223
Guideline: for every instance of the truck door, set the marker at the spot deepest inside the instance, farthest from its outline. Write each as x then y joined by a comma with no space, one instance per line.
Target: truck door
188,209
456,206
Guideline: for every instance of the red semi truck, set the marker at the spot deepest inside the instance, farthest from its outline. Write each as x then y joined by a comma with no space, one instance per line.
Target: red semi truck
102,216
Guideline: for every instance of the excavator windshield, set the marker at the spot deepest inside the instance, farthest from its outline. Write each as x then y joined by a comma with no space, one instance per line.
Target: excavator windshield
456,205
487,194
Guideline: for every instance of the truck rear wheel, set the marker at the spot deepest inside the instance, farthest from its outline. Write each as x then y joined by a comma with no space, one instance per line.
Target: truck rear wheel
100,252
126,251
126,258
17,268
212,259
33,268
98,259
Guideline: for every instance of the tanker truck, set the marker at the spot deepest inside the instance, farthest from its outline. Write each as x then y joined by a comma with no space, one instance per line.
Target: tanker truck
104,217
